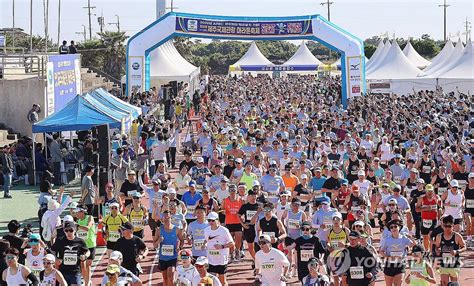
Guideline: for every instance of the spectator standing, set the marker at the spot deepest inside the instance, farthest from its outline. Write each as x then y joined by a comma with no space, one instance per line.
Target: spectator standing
63,49
7,163
72,48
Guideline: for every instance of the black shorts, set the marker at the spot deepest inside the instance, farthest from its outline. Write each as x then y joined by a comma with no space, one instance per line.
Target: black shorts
394,269
344,216
153,224
234,227
111,245
426,231
469,211
218,269
138,233
289,241
190,220
458,221
222,218
165,264
249,234
92,253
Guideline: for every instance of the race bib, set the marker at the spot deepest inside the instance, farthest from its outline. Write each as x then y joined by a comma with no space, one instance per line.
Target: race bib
214,252
114,236
427,223
442,191
137,223
341,209
355,209
426,169
462,184
268,266
198,244
36,272
397,179
396,255
82,234
306,254
293,224
380,210
469,204
327,223
356,272
191,209
335,243
70,259
454,205
448,259
417,269
318,194
271,234
167,250
250,214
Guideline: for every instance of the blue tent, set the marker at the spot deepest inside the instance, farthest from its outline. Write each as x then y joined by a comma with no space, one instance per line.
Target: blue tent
78,114
108,98
113,110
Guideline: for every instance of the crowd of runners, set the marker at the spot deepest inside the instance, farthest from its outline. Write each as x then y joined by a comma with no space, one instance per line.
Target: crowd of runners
278,173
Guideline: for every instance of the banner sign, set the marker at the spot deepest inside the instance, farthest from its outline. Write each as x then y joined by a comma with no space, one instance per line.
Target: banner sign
279,68
244,28
354,81
379,85
136,71
63,80
2,40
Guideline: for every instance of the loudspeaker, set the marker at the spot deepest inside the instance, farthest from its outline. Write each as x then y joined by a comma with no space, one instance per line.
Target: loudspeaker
174,88
103,180
103,145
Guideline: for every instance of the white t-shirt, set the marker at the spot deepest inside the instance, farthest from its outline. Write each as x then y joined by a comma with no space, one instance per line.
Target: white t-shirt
214,237
363,186
186,273
271,266
197,279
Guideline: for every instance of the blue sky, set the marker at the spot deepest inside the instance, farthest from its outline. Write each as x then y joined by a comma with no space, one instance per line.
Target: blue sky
363,18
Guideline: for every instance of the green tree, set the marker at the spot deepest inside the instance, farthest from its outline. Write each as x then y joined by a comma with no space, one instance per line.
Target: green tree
114,53
369,50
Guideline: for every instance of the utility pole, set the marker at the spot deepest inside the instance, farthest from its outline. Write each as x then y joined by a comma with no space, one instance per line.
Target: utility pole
468,29
31,26
444,8
101,21
116,23
89,7
172,8
59,23
13,30
328,3
83,33
46,20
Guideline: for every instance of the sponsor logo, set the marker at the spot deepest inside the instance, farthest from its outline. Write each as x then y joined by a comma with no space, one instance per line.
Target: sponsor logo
356,89
135,66
192,25
355,67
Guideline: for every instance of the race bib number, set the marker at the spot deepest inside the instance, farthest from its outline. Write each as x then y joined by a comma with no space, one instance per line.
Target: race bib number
462,184
397,179
137,223
191,209
335,243
327,223
167,250
397,254
355,209
426,169
250,214
470,204
318,194
36,272
293,224
268,266
417,269
454,205
271,234
114,236
82,234
357,272
442,191
214,252
427,223
70,259
306,254
198,244
342,210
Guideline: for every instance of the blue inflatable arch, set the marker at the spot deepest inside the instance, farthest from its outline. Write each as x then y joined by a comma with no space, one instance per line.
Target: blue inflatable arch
311,27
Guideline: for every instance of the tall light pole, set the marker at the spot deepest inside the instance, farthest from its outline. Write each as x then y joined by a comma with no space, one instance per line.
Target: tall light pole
83,33
46,20
13,30
116,23
328,3
31,26
444,8
59,23
468,29
89,7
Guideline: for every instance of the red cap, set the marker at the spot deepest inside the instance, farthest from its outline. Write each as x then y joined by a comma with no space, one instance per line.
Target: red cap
185,252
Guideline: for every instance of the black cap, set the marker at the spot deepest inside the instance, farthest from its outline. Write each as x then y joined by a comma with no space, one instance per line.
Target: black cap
295,201
313,260
354,233
251,192
69,224
200,207
89,168
126,226
395,221
417,248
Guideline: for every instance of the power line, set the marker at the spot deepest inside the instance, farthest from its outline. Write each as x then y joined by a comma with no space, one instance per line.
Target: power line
444,8
116,23
328,3
89,7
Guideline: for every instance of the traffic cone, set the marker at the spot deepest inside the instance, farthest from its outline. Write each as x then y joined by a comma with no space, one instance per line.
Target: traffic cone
100,239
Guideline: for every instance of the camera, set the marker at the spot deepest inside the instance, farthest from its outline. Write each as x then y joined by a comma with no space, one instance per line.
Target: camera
25,233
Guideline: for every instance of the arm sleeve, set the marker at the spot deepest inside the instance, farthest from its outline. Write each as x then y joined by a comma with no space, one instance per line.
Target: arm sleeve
33,279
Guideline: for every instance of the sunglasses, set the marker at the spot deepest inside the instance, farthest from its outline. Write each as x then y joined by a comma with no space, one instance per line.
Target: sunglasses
199,266
358,226
306,229
109,274
394,227
448,225
47,262
114,208
263,242
391,205
267,210
10,257
211,220
68,230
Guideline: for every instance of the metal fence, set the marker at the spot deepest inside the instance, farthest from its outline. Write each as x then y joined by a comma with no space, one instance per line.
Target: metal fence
22,66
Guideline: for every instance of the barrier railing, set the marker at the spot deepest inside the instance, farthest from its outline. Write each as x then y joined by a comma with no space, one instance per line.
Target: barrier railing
22,66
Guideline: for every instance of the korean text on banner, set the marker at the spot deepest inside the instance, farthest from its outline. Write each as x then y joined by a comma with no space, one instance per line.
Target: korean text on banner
354,76
136,71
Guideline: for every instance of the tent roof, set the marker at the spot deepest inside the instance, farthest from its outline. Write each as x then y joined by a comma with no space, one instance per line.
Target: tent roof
253,57
338,62
375,61
379,49
414,57
78,114
464,67
395,65
109,99
166,62
450,63
441,58
303,56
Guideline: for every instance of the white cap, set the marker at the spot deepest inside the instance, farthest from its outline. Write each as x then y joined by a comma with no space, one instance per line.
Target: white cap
49,257
361,223
213,216
304,176
265,237
68,218
454,183
238,160
337,214
393,201
171,191
256,183
361,173
53,205
201,260
200,159
116,255
114,204
471,175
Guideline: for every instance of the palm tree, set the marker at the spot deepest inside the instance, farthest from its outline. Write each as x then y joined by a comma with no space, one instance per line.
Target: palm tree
114,52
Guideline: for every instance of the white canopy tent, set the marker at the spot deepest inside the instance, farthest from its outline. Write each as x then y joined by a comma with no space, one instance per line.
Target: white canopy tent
414,57
166,64
440,58
450,62
303,58
375,61
394,65
253,57
378,50
461,76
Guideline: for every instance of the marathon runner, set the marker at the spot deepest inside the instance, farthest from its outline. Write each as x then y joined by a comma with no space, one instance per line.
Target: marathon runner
428,206
87,231
137,214
112,224
453,201
271,264
195,233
